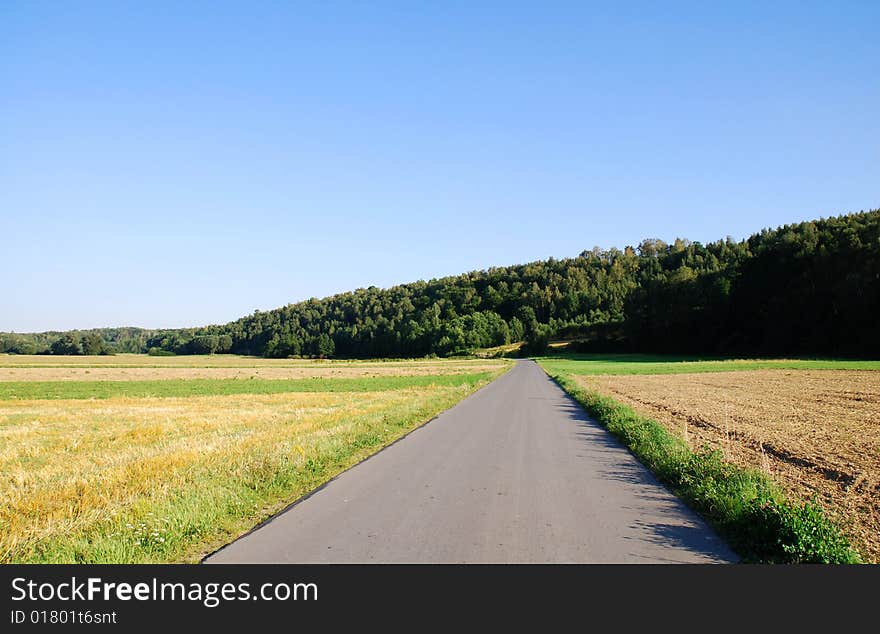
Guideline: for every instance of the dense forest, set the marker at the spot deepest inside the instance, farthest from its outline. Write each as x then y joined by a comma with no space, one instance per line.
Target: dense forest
807,288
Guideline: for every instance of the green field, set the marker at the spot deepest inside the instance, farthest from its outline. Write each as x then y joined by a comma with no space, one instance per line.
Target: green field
598,364
51,390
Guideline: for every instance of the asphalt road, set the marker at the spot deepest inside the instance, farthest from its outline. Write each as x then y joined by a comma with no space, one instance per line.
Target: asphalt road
517,472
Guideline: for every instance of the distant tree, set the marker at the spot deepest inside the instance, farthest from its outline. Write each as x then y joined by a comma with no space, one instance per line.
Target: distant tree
652,248
93,344
324,346
292,346
204,344
68,344
517,331
537,341
271,351
526,316
224,344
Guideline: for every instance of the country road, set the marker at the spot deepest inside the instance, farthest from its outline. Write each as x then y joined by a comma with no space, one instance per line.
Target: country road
517,472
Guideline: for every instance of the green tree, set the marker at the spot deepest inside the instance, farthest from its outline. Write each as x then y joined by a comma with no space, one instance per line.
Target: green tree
324,346
68,344
204,344
93,344
224,344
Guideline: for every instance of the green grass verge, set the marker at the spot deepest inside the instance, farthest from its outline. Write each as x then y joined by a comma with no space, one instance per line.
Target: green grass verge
744,505
596,364
52,390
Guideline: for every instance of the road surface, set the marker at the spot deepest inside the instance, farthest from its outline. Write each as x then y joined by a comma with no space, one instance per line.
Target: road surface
517,472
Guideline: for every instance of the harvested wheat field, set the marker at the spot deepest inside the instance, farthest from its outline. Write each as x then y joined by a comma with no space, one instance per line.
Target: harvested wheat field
269,372
143,360
90,473
816,431
18,362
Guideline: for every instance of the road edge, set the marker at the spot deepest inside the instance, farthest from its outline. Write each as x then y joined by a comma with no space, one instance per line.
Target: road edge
747,510
323,485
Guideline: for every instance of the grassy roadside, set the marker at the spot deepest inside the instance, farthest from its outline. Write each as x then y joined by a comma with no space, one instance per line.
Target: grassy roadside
744,505
195,485
54,390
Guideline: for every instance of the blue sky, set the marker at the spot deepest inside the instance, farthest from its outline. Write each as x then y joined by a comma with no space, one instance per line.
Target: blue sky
176,164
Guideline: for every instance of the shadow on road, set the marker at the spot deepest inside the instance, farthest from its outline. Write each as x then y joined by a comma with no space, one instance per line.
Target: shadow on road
603,452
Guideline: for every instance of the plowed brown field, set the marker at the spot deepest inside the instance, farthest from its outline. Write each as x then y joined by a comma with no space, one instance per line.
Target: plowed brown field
816,431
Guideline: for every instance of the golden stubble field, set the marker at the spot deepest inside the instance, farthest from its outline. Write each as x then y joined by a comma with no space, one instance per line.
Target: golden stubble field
227,361
816,431
125,479
50,373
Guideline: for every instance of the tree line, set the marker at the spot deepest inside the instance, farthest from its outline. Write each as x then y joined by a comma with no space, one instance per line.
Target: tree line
805,288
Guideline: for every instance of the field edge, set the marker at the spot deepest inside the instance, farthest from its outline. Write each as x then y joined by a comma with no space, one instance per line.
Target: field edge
236,507
744,506
199,553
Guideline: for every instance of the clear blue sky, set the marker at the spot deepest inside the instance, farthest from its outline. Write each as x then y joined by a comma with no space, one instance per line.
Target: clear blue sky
183,163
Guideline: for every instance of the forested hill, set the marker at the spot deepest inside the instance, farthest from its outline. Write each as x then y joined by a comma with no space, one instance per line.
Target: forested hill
807,288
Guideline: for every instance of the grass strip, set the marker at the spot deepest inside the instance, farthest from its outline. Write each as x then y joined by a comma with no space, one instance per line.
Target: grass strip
197,508
596,364
53,390
744,505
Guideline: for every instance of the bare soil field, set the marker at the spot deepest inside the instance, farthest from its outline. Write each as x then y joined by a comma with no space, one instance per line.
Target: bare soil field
816,431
